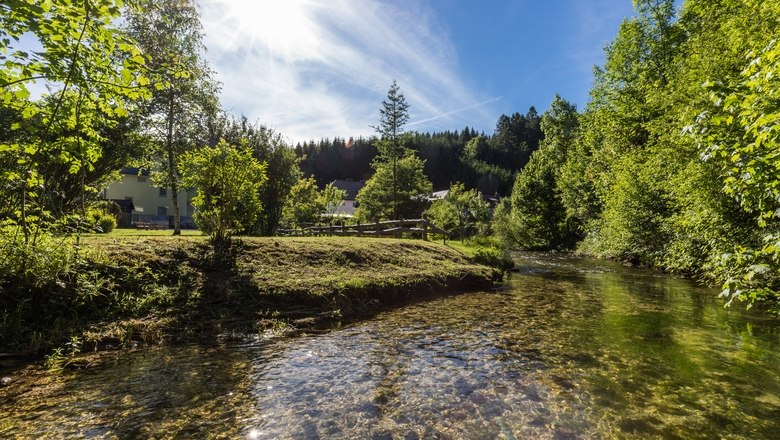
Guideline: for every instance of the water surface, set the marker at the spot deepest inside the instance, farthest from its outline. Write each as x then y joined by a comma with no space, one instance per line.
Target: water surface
569,348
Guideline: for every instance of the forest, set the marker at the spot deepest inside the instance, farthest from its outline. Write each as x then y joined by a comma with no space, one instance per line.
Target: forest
674,163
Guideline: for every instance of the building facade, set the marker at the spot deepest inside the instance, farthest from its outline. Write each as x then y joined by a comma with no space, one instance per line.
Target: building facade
143,203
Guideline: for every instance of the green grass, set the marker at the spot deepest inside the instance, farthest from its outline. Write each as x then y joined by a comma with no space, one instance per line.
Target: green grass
132,232
152,288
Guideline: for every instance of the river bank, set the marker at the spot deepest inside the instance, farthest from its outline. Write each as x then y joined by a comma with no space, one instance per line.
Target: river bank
153,290
568,347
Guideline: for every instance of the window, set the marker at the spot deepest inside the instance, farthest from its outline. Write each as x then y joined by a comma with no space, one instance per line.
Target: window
163,192
162,210
141,179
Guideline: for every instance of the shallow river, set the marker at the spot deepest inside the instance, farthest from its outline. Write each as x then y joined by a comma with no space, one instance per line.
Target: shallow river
568,348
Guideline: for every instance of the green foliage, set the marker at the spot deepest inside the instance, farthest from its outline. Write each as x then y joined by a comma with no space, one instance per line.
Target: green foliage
33,279
494,257
393,115
101,221
268,147
537,218
391,146
184,92
641,188
94,72
304,205
631,227
494,161
741,136
331,198
376,199
35,264
465,211
227,180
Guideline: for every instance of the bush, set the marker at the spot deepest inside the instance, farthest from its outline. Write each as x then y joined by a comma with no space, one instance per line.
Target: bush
101,221
107,224
494,257
31,274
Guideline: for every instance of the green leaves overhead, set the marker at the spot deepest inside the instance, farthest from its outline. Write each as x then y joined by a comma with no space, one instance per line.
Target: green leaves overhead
91,70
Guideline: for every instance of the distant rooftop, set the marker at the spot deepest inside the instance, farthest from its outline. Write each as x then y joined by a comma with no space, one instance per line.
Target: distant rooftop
352,187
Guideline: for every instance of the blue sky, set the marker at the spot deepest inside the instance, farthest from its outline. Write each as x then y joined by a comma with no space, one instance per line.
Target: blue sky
321,68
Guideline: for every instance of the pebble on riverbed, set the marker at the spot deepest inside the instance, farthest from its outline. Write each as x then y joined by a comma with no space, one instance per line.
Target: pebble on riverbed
5,381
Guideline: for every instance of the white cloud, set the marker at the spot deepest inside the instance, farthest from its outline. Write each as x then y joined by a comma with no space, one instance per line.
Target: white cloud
320,68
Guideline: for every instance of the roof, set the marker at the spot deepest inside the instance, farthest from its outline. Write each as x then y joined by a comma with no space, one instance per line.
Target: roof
438,195
352,187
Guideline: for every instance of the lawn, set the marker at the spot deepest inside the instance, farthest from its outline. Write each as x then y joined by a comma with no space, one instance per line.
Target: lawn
132,232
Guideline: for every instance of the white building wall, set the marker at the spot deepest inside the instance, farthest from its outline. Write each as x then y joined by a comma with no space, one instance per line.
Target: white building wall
151,204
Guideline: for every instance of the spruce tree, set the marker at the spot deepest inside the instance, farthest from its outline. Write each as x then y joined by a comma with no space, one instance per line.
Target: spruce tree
393,115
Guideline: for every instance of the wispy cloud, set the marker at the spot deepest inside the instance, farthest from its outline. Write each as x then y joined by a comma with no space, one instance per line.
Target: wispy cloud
316,68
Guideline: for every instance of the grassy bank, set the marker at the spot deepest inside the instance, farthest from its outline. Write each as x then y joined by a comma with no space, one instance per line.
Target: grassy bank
130,289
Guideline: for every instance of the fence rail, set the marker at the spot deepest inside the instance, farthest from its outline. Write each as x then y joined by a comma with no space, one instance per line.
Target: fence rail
391,228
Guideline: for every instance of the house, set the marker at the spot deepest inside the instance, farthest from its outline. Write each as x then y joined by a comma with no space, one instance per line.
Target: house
143,203
351,187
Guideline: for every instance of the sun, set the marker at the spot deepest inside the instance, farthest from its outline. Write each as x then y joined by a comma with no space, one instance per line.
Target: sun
286,28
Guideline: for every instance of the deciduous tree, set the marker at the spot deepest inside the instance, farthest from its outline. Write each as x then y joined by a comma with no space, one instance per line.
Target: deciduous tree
184,95
227,180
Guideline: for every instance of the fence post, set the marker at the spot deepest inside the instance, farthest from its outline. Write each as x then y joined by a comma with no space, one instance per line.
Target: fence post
425,230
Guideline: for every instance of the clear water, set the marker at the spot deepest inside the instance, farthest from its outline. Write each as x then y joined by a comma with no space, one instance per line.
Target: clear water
568,348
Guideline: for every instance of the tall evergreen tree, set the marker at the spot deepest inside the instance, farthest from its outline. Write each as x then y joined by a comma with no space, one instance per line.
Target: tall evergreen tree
393,115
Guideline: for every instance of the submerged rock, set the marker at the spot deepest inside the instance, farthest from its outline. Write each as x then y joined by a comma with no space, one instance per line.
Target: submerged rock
5,381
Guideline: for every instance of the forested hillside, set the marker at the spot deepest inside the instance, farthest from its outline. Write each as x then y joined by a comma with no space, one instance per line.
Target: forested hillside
675,161
486,162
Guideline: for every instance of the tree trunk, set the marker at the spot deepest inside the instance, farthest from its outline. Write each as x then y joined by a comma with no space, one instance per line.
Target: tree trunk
172,175
395,186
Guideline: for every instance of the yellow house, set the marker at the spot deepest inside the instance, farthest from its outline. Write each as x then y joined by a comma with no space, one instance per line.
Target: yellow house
143,203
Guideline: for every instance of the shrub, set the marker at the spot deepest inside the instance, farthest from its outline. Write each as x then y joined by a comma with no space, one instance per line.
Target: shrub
101,221
494,257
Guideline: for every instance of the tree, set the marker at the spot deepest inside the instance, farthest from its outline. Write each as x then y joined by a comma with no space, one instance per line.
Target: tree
392,117
331,198
184,97
461,209
227,180
268,147
304,205
379,200
538,218
93,72
741,135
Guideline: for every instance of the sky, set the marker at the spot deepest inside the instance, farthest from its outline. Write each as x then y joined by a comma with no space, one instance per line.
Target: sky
312,69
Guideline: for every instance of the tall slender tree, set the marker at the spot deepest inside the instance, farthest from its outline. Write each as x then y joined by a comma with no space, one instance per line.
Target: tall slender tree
393,115
184,94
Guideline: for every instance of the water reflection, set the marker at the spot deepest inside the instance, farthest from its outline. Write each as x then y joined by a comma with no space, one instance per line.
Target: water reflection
568,349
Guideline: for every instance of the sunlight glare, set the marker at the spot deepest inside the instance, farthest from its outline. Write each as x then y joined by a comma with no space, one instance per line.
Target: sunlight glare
285,28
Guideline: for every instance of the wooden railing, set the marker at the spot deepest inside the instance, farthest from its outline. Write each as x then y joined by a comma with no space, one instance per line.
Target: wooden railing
391,228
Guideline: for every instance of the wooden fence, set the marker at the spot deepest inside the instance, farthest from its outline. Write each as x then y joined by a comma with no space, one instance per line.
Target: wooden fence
391,228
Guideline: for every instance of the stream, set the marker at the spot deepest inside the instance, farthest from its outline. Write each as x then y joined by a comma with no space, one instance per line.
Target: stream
567,348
